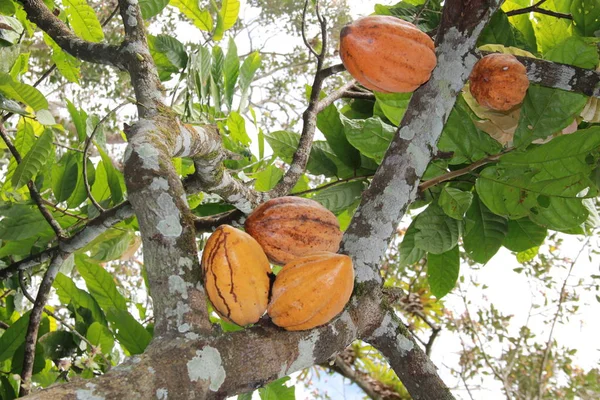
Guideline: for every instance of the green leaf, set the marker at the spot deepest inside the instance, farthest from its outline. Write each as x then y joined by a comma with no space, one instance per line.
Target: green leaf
100,188
172,48
151,8
484,232
22,92
586,17
337,198
523,235
7,7
461,137
11,106
330,124
66,63
69,293
231,70
190,8
283,143
79,118
267,178
229,11
277,390
549,30
44,117
101,284
546,111
100,335
442,271
561,214
38,359
527,255
36,157
20,66
129,332
319,161
216,88
393,105
574,51
112,248
24,226
498,31
436,232
58,344
79,194
409,252
249,67
18,248
64,176
522,23
113,176
371,136
13,337
83,20
237,128
455,202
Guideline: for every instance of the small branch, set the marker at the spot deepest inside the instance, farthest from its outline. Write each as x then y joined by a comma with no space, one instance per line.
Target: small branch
34,321
33,192
4,325
207,224
332,70
88,142
325,186
99,53
350,94
303,30
536,9
561,300
460,172
364,381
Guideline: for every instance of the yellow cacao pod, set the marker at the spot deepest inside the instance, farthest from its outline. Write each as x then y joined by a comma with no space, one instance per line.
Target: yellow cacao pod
236,272
311,290
499,82
291,227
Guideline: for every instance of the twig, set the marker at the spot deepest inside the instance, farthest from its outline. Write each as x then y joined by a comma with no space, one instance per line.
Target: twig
64,146
63,211
33,192
561,300
205,224
34,321
88,142
350,94
325,186
303,30
332,70
4,325
536,8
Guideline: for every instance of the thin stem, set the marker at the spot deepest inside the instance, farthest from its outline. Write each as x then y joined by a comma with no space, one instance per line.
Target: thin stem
303,30
4,325
536,8
338,182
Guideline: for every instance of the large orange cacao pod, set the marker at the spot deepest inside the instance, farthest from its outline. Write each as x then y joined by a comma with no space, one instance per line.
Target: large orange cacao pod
236,275
499,82
291,227
387,54
311,290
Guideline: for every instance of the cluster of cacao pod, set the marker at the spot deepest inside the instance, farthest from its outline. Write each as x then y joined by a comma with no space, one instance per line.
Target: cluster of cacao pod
387,54
314,284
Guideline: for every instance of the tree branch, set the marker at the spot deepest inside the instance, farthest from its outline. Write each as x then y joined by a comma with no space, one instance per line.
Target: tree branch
99,53
536,8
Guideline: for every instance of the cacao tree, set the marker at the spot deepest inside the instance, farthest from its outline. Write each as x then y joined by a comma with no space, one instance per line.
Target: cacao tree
476,179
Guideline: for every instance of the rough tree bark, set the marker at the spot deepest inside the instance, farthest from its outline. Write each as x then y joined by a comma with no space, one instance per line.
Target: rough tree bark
189,358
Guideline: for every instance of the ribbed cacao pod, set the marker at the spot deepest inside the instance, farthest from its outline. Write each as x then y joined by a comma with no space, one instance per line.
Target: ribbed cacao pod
311,290
387,54
236,272
499,82
291,227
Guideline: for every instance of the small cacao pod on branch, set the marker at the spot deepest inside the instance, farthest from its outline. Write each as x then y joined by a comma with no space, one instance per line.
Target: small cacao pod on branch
311,290
291,227
499,82
387,54
236,273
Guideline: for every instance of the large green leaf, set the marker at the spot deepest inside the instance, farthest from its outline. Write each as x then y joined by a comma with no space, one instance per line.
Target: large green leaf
101,284
129,332
461,137
58,344
546,111
337,198
66,63
523,235
320,160
113,176
190,8
231,70
522,22
267,178
484,232
236,124
561,214
549,30
79,194
100,335
574,51
277,390
39,362
455,202
330,124
83,20
436,232
36,157
409,252
64,176
150,8
393,105
69,293
442,271
498,31
249,67
370,136
29,224
216,72
13,337
586,17
100,188
226,17
172,48
79,118
112,248
22,92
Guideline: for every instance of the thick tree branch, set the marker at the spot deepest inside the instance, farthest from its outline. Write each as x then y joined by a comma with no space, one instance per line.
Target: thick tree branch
561,76
99,53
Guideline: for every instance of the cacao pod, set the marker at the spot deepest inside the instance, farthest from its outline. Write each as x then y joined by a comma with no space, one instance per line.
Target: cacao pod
499,82
311,290
387,54
291,227
236,272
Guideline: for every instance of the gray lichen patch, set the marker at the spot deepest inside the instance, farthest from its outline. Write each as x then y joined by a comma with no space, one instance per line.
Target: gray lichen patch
404,345
207,365
88,394
170,225
177,286
306,357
